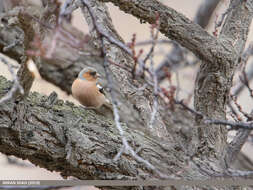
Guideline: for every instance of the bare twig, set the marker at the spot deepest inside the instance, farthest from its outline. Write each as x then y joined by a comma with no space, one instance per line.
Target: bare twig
154,37
244,79
233,125
239,107
148,42
248,75
122,149
16,42
241,86
155,101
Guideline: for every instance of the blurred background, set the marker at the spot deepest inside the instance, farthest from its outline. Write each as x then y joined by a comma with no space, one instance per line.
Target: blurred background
12,168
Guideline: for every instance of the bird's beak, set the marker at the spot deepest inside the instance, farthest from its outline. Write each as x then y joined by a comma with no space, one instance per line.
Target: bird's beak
98,75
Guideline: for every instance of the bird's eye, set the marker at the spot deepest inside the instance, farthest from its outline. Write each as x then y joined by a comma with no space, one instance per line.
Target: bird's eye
93,73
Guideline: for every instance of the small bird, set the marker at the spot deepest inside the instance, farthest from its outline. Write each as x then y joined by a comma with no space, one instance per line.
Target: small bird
90,93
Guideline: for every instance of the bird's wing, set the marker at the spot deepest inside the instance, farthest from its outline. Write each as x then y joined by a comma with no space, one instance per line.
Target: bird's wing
103,91
100,88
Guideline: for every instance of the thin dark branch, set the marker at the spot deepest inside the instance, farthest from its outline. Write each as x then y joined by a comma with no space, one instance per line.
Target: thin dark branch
233,125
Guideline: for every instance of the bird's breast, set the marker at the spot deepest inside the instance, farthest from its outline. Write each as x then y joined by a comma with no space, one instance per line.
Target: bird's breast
87,93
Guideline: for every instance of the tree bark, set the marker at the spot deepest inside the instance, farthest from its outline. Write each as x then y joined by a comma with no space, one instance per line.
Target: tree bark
77,142
74,141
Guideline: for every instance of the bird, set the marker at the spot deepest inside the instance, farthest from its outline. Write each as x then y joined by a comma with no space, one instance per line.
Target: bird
88,92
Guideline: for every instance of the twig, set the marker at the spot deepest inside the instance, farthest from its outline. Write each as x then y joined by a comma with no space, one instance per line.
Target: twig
188,108
244,79
150,55
239,107
153,73
148,42
234,125
119,44
154,38
249,74
155,101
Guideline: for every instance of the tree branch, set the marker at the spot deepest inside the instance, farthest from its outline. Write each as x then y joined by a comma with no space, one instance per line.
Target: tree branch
133,106
75,141
214,81
179,28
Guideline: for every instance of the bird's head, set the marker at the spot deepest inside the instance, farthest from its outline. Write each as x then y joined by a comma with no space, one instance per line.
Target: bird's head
89,74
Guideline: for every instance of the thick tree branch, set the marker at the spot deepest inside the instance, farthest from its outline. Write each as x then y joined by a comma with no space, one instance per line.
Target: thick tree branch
236,28
214,81
178,54
77,142
67,59
179,28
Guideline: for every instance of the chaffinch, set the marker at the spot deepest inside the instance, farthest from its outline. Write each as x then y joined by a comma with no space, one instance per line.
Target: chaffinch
90,93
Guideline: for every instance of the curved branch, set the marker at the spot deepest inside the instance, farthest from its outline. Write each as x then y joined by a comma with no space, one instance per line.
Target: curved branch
179,28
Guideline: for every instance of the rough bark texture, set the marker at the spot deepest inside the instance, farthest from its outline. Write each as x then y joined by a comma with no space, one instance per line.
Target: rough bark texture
220,56
214,80
77,142
179,28
138,104
66,62
59,136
